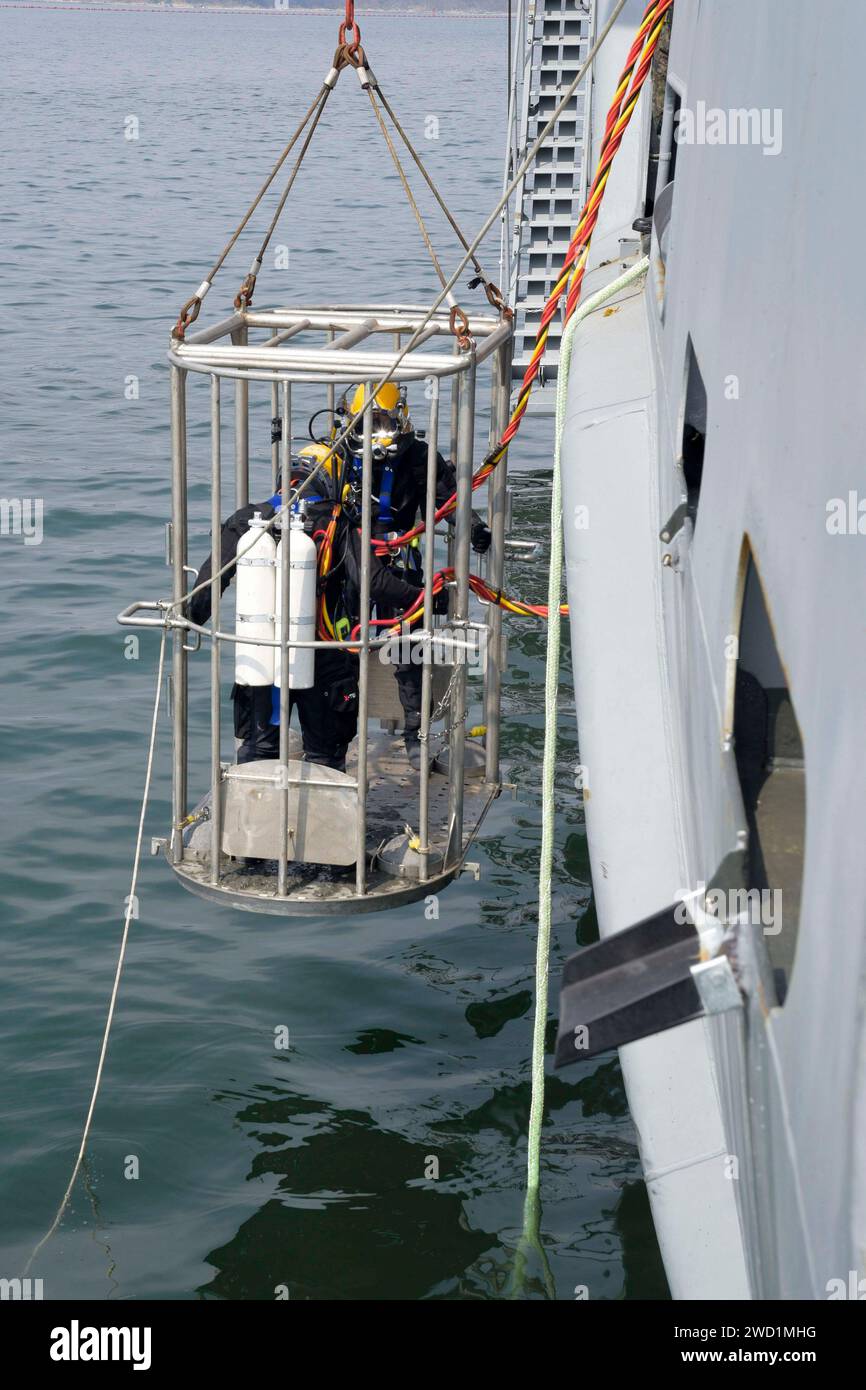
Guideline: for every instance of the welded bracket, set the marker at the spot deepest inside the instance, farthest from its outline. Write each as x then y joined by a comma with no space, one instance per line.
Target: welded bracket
717,985
641,981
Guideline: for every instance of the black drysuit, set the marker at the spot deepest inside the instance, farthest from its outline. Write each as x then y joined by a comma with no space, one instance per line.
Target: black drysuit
328,711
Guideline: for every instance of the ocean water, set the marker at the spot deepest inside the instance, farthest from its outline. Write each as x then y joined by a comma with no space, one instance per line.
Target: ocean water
256,1168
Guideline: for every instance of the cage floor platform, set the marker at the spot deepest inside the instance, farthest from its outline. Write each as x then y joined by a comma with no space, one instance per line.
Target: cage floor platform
322,889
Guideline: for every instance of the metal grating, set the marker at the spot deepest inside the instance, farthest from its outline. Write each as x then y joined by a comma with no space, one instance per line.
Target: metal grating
556,36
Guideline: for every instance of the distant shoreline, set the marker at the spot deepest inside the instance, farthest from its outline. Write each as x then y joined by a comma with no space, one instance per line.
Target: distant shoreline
186,7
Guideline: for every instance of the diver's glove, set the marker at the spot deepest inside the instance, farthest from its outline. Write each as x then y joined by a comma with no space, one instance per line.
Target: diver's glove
481,538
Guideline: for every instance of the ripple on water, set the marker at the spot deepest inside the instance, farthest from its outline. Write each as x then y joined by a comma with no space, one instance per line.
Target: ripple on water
409,1034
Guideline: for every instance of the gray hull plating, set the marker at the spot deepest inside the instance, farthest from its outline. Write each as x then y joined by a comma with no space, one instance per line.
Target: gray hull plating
748,332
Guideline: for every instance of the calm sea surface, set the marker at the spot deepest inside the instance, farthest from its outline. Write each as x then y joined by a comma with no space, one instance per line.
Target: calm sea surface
410,1038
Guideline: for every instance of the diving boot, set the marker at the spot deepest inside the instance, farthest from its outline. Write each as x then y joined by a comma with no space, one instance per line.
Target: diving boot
412,741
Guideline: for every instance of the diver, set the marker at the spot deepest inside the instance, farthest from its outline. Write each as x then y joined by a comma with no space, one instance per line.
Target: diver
328,711
399,499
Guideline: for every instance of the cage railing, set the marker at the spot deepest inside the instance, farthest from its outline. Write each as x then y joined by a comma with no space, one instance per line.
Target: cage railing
333,347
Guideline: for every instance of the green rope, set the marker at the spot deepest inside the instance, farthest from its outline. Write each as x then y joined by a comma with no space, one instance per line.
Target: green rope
531,1237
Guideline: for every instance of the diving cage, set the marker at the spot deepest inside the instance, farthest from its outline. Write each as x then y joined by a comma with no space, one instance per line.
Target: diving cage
381,833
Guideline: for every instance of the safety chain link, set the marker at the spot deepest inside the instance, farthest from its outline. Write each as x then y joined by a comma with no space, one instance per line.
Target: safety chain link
187,315
459,325
244,297
350,23
440,710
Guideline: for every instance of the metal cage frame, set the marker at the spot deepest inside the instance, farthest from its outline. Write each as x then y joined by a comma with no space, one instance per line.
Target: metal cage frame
358,346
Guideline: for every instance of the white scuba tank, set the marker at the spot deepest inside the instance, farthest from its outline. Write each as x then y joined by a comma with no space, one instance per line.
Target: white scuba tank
302,603
254,604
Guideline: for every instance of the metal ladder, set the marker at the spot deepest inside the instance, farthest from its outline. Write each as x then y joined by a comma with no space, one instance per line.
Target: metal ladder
553,38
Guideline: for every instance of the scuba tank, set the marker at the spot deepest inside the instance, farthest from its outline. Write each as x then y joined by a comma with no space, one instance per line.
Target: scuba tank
254,605
303,563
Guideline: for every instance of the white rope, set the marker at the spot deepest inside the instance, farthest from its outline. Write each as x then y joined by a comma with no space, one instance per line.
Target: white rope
548,772
120,960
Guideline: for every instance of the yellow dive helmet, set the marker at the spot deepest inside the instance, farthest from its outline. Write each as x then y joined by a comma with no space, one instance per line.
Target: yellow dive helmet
305,461
318,453
392,428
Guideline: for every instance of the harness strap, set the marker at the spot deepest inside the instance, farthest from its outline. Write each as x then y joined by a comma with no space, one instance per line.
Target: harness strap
277,500
386,487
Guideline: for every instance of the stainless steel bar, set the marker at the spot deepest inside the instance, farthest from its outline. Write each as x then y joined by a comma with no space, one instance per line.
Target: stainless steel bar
179,656
242,428
275,443
127,618
452,454
364,658
445,642
389,318
286,334
354,335
351,644
312,376
330,396
427,668
216,330
497,488
431,331
288,426
364,310
489,345
216,817
455,410
241,354
293,781
284,572
462,533
533,548
321,359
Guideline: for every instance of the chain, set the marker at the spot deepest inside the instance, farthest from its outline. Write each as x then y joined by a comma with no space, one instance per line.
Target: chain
350,23
440,709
